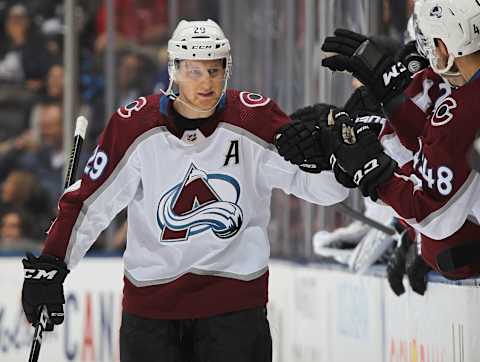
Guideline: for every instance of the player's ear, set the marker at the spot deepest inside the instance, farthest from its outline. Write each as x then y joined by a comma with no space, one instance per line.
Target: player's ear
442,48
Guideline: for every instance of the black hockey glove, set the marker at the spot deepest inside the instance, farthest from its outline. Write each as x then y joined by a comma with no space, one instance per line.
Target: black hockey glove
397,261
43,285
362,102
340,175
417,270
359,153
411,58
406,260
316,113
297,142
369,62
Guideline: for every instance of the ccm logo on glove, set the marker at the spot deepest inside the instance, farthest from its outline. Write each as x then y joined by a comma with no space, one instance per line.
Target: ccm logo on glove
40,274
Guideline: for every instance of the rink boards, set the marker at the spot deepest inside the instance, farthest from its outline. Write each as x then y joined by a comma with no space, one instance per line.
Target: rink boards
316,314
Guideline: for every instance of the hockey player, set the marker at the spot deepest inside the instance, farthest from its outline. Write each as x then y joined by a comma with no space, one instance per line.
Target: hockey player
196,170
437,193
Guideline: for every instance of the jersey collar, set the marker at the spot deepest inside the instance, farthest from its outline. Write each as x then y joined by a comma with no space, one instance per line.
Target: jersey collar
166,109
475,76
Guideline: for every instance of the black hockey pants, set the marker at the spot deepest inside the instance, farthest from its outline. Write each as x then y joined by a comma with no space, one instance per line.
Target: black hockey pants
242,336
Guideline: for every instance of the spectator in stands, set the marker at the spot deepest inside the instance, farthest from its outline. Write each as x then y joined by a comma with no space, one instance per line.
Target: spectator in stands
43,157
13,225
47,161
54,83
22,191
52,92
13,149
23,55
11,229
133,78
143,22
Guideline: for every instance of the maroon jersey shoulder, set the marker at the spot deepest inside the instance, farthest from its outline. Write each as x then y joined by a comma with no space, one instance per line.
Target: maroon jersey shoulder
255,113
454,121
138,116
418,82
426,89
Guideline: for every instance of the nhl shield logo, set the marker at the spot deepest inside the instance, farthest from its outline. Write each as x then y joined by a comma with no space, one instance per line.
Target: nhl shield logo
200,203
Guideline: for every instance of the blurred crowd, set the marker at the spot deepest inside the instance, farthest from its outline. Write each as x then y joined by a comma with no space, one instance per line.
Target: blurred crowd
32,156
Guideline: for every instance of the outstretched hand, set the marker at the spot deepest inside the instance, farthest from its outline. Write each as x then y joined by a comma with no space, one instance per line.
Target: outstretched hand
371,63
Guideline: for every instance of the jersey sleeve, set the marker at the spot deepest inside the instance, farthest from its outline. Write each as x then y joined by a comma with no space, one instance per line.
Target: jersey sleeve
321,189
408,122
393,147
432,214
109,182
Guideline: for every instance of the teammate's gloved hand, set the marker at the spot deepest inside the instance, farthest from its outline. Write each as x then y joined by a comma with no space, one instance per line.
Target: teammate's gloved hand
359,153
416,270
315,113
43,285
341,176
406,260
396,263
396,266
362,102
411,58
369,62
297,142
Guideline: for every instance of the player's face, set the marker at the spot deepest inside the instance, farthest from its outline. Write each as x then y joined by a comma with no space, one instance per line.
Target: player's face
200,82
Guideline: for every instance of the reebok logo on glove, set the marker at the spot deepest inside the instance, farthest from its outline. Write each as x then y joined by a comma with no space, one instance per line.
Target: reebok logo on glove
40,274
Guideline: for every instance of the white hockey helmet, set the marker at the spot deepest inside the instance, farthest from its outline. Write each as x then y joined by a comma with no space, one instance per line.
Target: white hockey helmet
456,23
199,40
412,24
414,30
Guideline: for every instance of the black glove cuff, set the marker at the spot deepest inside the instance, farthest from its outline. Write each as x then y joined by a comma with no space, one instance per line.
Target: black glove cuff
369,54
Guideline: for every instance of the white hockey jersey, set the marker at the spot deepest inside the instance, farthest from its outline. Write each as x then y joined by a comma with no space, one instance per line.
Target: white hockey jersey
198,204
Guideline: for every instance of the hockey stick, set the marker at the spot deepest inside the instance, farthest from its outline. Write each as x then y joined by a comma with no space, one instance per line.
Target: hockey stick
79,137
354,214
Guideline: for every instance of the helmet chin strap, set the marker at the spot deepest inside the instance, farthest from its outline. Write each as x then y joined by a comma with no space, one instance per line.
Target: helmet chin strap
171,94
447,73
447,69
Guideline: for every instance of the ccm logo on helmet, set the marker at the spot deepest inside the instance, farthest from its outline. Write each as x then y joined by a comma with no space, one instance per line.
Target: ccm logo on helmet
40,274
200,47
253,100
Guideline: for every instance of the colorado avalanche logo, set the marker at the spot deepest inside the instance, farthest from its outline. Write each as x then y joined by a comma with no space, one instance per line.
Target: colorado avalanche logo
443,113
253,100
199,203
437,12
126,111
